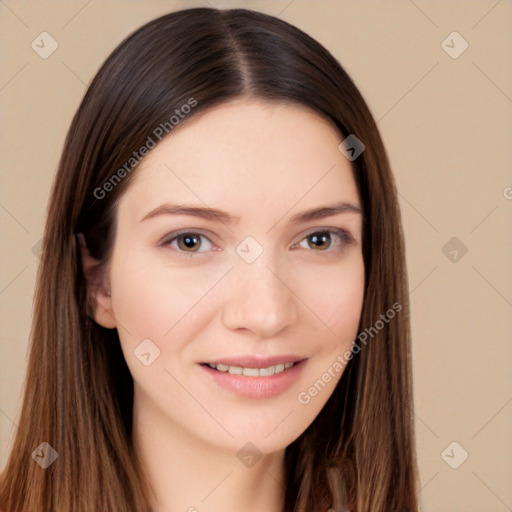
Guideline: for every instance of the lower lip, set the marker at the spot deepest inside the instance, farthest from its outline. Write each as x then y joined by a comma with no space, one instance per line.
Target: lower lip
256,387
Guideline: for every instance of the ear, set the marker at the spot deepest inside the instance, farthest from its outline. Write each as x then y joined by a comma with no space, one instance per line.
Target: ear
98,287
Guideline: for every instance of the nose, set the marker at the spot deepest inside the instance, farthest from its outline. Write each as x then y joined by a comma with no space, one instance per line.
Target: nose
261,299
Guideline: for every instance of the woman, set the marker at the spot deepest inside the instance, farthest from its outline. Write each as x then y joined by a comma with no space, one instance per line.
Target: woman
221,318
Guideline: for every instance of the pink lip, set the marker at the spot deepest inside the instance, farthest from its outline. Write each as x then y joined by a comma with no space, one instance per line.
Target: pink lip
256,362
256,387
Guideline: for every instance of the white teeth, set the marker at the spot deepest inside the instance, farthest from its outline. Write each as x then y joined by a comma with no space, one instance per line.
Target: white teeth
252,372
267,372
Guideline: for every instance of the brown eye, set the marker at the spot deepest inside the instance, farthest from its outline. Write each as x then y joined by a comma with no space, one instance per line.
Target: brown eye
320,240
323,241
189,242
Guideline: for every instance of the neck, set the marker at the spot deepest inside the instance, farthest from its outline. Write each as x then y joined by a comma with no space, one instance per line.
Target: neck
187,473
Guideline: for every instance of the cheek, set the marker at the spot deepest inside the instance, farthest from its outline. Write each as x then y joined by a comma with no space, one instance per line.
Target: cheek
336,297
161,305
139,300
157,302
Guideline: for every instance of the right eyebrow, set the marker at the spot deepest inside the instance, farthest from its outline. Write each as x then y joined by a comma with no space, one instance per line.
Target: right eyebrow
196,211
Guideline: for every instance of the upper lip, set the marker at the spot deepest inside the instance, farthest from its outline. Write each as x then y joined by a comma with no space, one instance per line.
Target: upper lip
256,362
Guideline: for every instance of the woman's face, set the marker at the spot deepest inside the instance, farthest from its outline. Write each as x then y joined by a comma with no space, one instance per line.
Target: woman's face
252,288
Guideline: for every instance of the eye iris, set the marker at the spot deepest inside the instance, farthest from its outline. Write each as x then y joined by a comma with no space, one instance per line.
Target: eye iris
189,240
324,236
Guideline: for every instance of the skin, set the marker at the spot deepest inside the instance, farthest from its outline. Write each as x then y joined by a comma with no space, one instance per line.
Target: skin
263,162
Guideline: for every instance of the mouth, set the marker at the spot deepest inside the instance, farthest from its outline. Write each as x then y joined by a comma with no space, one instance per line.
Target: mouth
253,371
256,378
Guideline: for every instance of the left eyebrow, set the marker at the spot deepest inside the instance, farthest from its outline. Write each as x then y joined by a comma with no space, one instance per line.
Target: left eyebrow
326,211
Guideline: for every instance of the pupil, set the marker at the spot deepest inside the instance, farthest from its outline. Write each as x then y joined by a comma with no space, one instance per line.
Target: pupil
189,241
320,239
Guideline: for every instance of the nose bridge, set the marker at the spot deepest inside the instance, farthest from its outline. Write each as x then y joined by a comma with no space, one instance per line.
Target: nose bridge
259,300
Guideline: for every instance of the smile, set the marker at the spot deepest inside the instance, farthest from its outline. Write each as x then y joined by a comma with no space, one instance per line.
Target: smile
250,378
252,372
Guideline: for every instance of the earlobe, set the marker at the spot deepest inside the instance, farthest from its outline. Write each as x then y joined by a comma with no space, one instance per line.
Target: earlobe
98,287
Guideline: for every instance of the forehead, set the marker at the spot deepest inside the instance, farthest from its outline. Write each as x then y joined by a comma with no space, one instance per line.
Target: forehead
243,154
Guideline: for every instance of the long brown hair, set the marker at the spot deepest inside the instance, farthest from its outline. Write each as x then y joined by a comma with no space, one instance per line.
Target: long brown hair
78,393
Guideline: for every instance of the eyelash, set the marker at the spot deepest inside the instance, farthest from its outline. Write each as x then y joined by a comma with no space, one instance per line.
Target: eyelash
345,239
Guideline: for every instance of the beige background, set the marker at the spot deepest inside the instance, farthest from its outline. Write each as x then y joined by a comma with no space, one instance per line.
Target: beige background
446,123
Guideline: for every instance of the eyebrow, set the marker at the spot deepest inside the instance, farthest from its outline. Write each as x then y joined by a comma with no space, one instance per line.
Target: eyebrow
215,214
